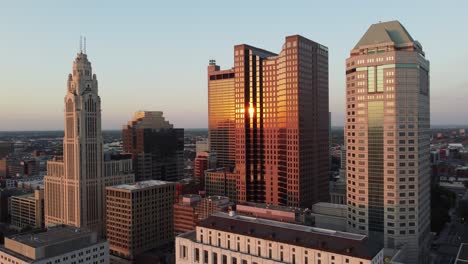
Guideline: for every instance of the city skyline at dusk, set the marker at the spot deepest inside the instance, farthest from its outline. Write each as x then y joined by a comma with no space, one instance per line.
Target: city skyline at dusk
153,56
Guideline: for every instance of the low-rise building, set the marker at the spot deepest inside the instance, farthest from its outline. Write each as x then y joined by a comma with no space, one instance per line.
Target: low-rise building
28,210
139,217
192,208
236,239
204,161
272,212
338,191
5,197
329,216
61,244
221,182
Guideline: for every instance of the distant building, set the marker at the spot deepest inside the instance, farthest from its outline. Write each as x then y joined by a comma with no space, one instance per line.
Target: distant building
193,208
272,212
329,216
139,217
157,147
435,156
221,182
187,186
203,162
224,238
19,168
28,210
202,146
6,148
338,191
4,173
462,132
221,115
61,244
5,196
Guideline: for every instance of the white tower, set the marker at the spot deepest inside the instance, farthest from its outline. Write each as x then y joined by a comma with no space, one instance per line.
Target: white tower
74,186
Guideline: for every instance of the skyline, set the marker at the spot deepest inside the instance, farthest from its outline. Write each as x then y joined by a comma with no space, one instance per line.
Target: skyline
159,58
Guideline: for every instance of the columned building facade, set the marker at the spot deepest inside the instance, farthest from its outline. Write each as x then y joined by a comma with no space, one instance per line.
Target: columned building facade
387,140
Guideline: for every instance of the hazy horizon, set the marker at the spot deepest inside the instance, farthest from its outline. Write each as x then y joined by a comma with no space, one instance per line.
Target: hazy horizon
153,56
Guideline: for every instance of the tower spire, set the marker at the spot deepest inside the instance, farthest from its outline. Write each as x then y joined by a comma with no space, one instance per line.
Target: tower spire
81,44
85,44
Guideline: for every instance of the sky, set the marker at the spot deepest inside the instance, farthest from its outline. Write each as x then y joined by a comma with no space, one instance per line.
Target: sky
152,55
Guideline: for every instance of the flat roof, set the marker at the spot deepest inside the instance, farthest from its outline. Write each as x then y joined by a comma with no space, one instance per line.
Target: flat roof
141,185
14,254
272,207
331,205
24,196
52,236
462,256
350,244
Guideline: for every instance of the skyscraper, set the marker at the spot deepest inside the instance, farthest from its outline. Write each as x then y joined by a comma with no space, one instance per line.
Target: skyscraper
387,139
282,123
74,186
157,147
221,119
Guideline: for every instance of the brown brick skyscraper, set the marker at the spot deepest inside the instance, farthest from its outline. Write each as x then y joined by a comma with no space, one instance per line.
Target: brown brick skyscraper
281,123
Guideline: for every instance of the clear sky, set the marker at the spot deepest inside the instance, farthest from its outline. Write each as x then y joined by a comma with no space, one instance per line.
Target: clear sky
152,55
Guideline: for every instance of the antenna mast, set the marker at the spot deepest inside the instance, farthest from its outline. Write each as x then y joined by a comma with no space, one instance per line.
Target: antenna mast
81,44
85,45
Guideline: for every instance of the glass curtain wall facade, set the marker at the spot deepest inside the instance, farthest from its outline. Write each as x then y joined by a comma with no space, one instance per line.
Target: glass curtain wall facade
221,124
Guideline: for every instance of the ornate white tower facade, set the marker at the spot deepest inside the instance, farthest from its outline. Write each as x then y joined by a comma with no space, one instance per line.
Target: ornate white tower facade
74,185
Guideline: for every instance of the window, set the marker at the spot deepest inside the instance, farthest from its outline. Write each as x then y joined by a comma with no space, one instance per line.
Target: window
183,251
205,256
215,258
197,255
234,260
224,259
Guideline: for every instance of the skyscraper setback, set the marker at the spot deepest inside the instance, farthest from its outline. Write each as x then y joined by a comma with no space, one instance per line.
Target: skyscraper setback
74,186
281,122
156,146
387,139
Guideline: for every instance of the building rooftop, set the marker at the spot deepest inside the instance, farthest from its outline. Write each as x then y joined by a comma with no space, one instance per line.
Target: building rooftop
344,243
462,256
272,207
24,196
58,240
331,205
52,236
385,32
215,198
141,185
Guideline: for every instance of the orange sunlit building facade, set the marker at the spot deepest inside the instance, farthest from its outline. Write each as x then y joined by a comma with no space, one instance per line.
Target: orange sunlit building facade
281,123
